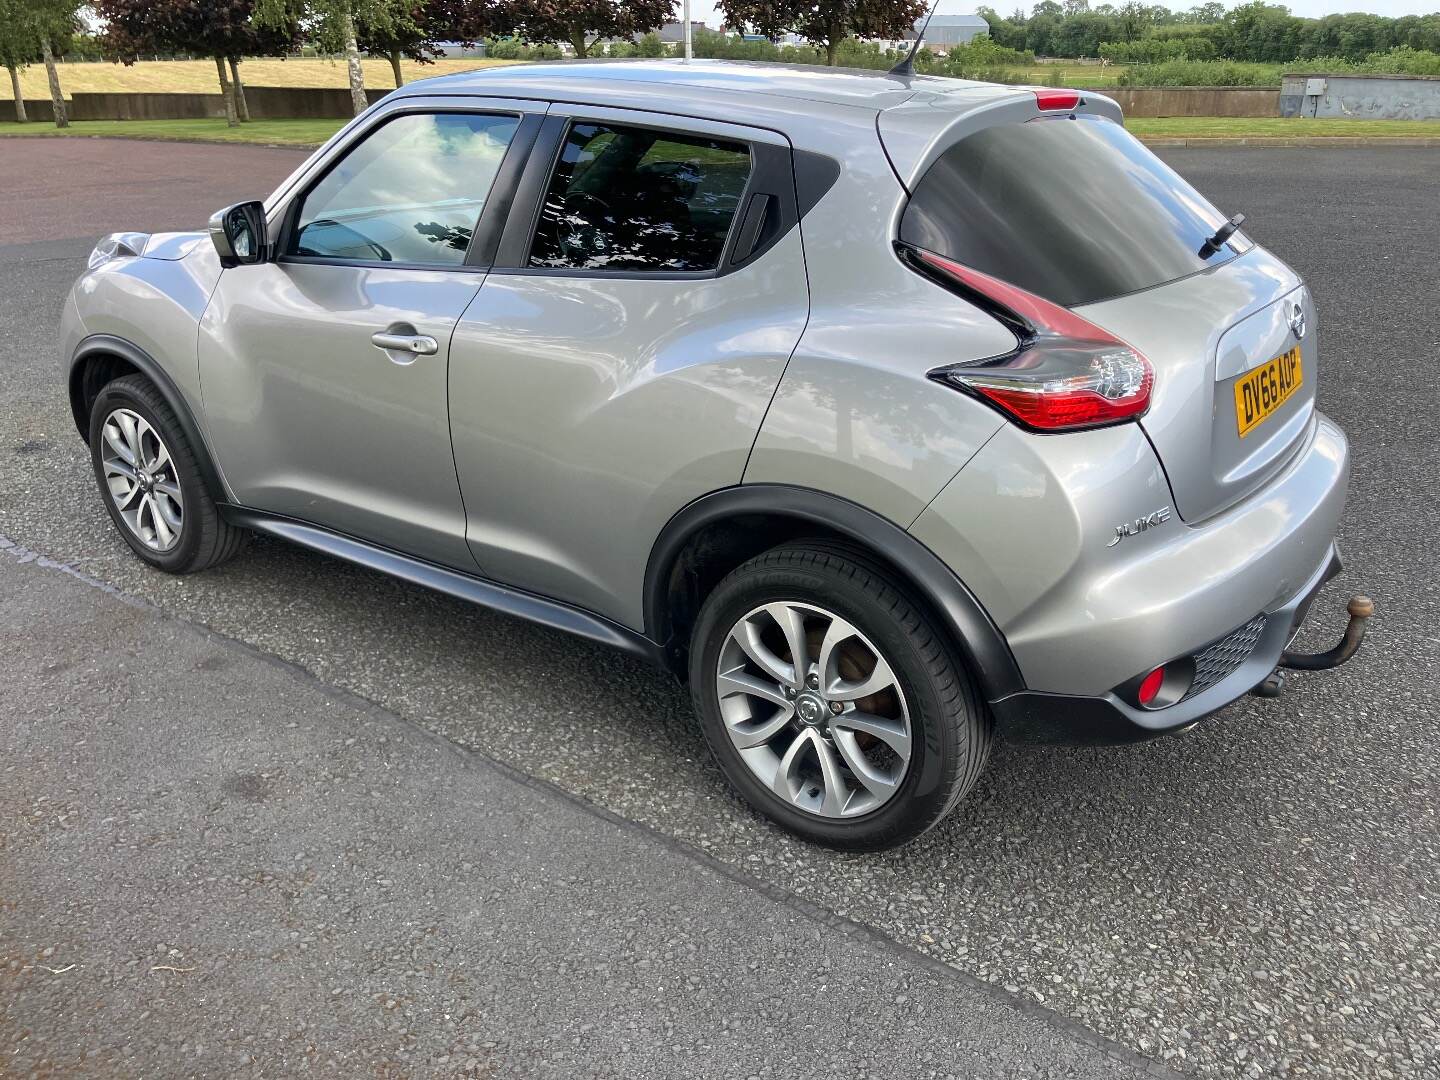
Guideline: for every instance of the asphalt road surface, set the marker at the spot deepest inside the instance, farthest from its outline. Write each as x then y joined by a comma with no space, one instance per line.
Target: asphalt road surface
1260,897
214,865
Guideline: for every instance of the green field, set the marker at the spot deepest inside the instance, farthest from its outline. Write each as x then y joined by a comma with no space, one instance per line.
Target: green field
1274,127
271,132
314,132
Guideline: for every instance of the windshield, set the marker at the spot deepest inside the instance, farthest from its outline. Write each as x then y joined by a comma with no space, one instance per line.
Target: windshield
1075,210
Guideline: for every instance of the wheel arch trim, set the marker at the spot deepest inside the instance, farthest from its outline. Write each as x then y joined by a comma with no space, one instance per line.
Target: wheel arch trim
983,645
147,365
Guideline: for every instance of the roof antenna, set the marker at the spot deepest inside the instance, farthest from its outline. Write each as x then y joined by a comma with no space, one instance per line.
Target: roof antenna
906,68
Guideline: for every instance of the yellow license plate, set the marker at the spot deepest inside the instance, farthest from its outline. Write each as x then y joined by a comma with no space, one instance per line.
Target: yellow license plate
1264,390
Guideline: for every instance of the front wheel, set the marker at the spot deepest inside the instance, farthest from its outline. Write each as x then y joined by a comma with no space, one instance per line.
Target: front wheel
150,481
831,701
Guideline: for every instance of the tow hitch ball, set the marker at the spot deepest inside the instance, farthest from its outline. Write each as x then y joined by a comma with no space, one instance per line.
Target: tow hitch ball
1360,608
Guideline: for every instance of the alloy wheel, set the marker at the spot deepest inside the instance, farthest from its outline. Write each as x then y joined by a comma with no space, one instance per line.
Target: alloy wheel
814,710
142,480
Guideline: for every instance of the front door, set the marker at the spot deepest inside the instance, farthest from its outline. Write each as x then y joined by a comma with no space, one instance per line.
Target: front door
325,371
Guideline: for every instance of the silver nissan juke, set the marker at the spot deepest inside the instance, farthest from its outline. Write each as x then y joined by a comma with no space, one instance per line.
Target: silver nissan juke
892,413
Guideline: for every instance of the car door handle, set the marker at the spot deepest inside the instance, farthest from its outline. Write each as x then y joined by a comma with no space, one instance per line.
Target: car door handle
419,344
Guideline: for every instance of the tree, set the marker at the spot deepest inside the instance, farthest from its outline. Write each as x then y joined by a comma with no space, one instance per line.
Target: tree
335,26
578,22
414,31
19,47
826,23
50,23
224,30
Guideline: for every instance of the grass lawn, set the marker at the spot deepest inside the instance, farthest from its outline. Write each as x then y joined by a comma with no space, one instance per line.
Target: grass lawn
1202,127
276,132
198,76
314,132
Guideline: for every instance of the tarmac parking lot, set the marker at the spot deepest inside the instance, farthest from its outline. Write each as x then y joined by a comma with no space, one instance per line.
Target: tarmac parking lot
1260,897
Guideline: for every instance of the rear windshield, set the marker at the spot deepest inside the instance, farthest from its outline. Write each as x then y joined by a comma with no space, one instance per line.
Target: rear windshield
1073,210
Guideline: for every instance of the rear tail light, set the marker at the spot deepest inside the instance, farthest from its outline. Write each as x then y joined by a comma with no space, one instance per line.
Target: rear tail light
1066,374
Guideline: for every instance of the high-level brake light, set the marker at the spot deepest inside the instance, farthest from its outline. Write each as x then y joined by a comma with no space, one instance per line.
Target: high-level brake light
1059,100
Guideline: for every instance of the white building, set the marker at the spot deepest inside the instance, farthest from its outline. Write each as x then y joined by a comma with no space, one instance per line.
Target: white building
947,30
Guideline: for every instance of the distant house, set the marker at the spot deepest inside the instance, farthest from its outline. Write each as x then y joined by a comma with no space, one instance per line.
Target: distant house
674,31
946,30
455,49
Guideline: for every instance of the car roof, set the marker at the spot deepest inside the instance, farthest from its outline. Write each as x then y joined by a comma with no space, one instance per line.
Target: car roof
700,85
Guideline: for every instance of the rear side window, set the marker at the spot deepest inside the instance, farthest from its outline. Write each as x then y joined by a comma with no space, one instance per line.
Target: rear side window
629,198
1073,210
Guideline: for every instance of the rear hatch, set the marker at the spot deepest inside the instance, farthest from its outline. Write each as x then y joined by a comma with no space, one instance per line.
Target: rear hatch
1074,209
1230,404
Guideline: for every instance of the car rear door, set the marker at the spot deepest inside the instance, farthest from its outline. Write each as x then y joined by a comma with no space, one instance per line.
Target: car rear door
648,292
325,370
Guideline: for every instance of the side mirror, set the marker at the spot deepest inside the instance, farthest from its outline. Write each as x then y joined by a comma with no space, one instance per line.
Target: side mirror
238,233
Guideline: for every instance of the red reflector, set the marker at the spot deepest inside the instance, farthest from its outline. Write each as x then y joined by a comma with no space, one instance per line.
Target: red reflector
1058,99
1066,374
1150,686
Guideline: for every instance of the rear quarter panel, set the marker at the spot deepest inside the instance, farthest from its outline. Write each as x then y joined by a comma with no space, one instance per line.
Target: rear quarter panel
856,414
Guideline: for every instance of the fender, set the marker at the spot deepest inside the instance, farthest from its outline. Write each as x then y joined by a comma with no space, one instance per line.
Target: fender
147,365
981,642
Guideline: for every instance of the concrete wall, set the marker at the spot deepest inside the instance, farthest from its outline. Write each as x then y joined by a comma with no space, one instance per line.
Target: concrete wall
34,110
1196,100
285,103
266,103
145,106
1361,97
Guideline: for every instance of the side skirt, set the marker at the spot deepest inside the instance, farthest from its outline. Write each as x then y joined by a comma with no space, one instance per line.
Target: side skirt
476,590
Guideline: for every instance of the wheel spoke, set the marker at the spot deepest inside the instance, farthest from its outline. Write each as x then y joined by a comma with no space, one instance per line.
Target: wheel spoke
740,682
879,784
124,501
168,510
120,467
879,678
132,437
891,732
758,732
115,439
784,785
163,533
162,457
792,623
838,631
747,636
169,489
837,792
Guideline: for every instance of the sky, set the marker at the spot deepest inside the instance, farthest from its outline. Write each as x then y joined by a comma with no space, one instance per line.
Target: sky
1312,9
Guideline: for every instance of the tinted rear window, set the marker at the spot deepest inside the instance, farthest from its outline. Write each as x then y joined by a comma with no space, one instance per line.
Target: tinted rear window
1074,210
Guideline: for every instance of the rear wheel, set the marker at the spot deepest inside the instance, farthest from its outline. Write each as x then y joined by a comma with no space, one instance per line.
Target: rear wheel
830,700
150,481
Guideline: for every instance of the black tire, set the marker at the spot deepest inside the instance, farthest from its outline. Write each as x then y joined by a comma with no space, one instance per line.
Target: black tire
205,539
950,724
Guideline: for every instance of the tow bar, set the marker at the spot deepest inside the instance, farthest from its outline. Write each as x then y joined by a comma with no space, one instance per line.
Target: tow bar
1360,609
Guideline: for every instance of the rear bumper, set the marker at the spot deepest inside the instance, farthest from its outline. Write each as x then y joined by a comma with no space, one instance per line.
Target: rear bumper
1035,717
